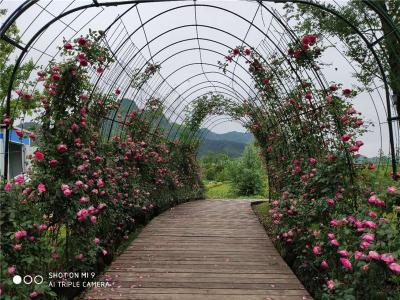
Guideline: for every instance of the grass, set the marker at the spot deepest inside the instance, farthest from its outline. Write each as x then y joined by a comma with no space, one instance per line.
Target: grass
223,190
218,190
261,211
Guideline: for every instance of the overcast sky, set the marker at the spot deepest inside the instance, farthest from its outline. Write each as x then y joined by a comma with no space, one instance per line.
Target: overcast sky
179,55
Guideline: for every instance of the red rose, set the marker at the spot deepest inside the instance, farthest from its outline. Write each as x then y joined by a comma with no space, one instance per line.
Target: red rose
62,148
53,162
56,77
39,155
82,41
20,133
347,92
67,46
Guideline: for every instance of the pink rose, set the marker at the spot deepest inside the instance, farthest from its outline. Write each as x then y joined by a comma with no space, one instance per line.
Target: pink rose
317,250
93,219
331,236
97,241
346,263
335,243
391,189
17,247
84,199
387,258
370,224
8,187
34,294
334,223
67,192
19,180
41,188
100,182
364,245
11,269
369,237
42,227
312,161
74,126
395,268
78,183
20,234
373,255
343,253
358,255
324,265
330,284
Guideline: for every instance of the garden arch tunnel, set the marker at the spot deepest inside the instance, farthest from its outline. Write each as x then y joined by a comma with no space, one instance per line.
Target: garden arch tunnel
188,38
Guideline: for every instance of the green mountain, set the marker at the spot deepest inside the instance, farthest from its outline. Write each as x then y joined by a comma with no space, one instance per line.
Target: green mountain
231,143
232,149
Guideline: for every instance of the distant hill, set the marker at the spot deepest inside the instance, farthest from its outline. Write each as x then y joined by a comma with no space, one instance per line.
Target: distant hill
231,143
233,136
232,149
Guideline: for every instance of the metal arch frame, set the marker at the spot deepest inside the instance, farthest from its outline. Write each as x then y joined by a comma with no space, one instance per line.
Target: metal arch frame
210,27
27,4
174,43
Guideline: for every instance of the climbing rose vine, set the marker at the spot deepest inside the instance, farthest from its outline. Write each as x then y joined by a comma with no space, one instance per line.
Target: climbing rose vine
85,194
335,225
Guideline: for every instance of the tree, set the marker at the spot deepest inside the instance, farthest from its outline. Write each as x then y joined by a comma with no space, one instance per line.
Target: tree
214,166
6,69
311,19
247,173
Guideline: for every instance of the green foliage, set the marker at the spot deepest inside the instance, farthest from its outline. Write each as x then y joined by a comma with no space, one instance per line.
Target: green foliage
219,190
6,69
247,173
231,178
310,19
320,202
215,166
85,194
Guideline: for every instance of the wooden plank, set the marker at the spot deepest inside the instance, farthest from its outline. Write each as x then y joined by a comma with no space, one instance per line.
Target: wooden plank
208,250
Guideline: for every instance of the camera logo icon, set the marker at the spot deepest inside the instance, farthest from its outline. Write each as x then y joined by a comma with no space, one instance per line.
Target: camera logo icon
28,279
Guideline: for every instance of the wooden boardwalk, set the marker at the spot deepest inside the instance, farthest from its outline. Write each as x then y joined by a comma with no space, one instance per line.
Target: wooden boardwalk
208,249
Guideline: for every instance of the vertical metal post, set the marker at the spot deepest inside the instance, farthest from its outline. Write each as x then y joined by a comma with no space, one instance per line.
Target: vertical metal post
6,151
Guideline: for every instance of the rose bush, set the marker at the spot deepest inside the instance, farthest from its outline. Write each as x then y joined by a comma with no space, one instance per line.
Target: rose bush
333,221
85,193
